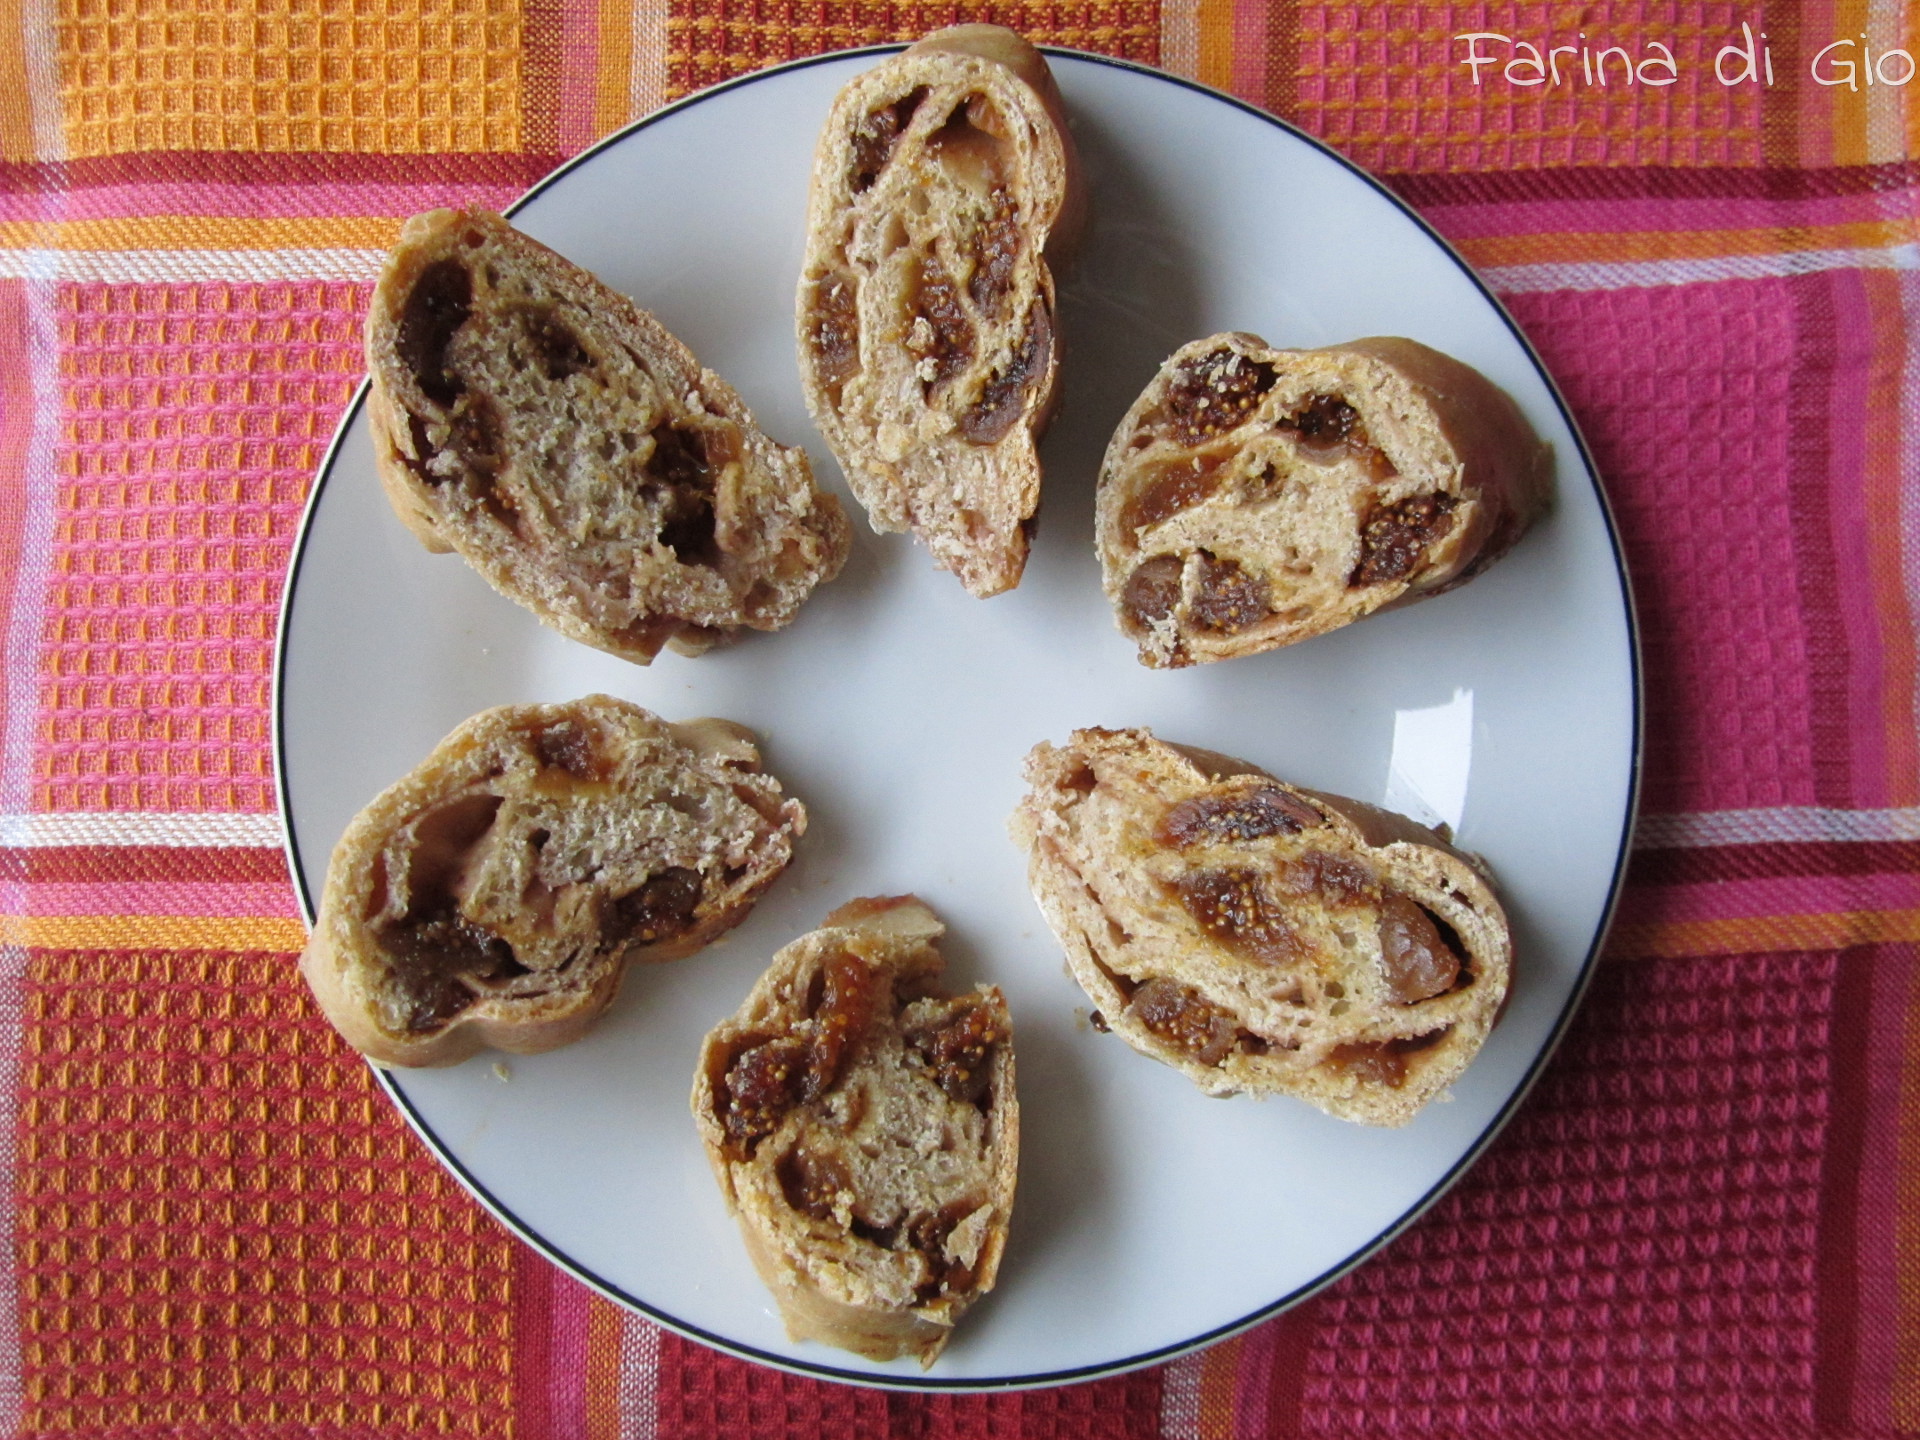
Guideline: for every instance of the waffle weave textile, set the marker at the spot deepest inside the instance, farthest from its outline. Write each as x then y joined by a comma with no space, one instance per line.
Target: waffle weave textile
1704,1222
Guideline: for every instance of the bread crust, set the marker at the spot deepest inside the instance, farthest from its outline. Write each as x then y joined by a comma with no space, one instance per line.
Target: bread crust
865,1132
496,894
1260,937
576,454
1255,497
945,191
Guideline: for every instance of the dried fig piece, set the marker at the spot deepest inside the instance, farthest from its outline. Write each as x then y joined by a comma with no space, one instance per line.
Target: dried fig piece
1213,393
1394,538
440,302
1236,908
1418,963
1229,598
1003,398
1178,1015
1213,817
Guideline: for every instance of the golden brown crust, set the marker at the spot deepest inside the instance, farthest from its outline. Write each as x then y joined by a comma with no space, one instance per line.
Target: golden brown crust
945,190
496,894
1255,497
865,1132
1260,937
576,454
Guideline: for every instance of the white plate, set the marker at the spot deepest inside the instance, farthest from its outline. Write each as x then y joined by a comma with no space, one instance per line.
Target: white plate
1150,1219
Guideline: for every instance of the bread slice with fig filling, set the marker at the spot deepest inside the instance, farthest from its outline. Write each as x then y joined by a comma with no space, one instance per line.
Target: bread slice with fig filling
945,187
496,894
576,454
865,1133
1255,497
1259,937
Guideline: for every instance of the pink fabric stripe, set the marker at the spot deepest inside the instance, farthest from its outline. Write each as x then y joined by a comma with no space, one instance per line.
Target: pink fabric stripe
1250,50
196,200
1878,1197
567,1357
244,900
1552,217
579,76
1775,895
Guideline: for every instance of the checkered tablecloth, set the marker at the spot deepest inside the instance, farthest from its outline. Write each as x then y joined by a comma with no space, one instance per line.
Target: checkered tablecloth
1706,1220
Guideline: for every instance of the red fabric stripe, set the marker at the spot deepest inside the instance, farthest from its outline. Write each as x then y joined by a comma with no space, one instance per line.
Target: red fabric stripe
1764,862
1818,350
82,864
1837,1301
1502,187
1293,1339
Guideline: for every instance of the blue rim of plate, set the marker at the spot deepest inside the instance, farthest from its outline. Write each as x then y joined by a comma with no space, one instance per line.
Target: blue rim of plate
391,1084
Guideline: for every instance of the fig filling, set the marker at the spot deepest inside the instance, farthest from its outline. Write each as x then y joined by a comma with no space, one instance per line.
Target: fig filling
941,333
1234,907
567,745
1394,538
1418,961
1229,598
1152,590
1177,485
683,462
438,305
1383,1062
1213,818
1178,1015
996,249
835,332
959,1050
1003,397
663,907
769,1077
875,138
1214,394
433,953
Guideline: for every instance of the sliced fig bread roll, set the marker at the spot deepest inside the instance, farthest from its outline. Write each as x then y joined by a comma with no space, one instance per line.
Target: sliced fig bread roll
496,894
576,454
1259,937
944,184
1254,497
865,1132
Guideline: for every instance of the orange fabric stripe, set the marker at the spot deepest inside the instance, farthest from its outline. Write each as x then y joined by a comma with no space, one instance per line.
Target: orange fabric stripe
174,232
1219,1379
1762,933
1216,43
613,92
602,1379
153,932
1613,247
16,102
